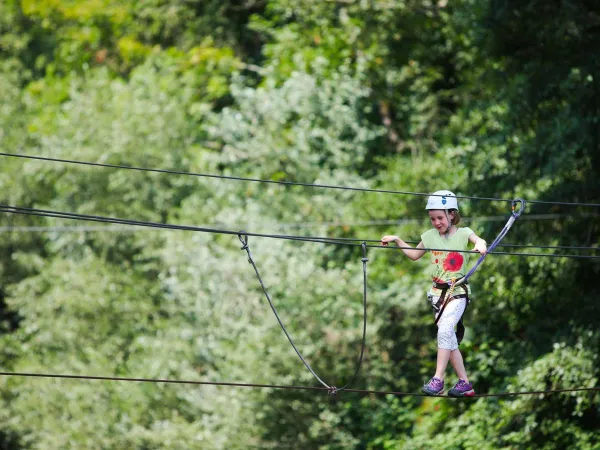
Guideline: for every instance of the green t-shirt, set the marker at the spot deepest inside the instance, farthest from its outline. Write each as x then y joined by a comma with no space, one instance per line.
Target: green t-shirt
446,265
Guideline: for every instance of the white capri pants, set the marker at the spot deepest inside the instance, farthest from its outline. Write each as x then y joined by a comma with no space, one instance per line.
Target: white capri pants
452,313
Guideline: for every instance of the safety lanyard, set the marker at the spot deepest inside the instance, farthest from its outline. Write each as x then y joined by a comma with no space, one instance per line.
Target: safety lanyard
513,216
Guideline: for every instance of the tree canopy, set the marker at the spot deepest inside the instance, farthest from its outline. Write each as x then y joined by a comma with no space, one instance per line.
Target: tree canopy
488,98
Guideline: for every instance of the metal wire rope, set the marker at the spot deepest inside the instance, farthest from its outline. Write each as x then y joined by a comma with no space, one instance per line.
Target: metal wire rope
332,390
284,387
116,229
323,240
286,183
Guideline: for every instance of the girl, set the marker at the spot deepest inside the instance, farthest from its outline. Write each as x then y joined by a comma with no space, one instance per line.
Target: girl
448,304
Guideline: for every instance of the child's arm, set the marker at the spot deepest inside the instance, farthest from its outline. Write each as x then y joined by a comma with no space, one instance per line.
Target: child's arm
412,253
480,244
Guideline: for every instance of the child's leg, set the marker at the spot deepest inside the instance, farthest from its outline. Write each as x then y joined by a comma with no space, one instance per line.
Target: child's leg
455,358
447,343
457,362
443,356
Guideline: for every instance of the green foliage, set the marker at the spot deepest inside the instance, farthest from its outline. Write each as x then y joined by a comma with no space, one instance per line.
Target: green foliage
493,98
300,131
58,37
86,317
538,421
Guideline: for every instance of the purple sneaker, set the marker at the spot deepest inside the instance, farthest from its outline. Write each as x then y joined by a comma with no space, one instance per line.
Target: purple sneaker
462,389
435,386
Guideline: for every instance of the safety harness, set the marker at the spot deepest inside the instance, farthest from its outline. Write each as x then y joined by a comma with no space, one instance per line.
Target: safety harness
446,296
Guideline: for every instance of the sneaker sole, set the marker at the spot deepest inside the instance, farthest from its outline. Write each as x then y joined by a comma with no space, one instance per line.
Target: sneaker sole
439,394
470,393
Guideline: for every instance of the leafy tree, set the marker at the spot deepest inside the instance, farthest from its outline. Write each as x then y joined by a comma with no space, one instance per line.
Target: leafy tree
489,98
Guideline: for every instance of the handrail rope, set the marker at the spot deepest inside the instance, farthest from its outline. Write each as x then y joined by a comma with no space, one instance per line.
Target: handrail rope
550,247
331,241
105,219
345,224
286,183
99,228
278,386
243,237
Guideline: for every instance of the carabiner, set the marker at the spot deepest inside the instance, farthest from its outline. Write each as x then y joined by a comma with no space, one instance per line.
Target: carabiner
521,208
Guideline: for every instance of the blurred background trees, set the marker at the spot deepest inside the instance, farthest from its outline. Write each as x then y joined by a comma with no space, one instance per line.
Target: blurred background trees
490,98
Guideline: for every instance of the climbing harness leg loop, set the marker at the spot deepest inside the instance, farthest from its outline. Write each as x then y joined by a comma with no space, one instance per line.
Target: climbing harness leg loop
446,296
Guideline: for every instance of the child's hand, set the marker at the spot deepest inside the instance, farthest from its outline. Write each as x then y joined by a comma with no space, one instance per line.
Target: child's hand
387,239
481,246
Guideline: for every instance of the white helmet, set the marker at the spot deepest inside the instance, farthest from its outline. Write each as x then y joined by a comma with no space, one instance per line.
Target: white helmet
442,200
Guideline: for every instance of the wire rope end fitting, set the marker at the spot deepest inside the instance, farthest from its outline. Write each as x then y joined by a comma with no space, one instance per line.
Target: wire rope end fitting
364,251
243,237
332,392
518,212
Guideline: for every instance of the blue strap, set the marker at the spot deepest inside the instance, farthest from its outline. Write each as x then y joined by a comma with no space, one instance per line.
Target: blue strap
514,216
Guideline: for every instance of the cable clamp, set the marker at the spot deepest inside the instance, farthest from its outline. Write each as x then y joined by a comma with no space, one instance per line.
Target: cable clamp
243,237
332,391
364,250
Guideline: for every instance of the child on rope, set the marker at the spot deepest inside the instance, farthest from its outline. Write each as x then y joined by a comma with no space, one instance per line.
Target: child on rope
448,302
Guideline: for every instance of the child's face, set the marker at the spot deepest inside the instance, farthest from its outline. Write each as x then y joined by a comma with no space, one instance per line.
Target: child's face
439,219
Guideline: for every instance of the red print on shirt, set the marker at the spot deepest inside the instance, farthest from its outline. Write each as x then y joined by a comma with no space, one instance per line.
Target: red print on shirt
453,262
